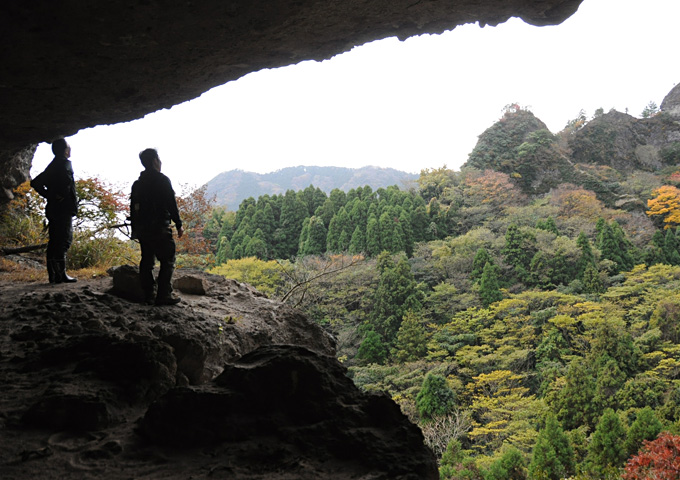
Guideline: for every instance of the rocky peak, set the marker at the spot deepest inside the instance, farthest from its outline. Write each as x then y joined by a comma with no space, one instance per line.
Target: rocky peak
671,103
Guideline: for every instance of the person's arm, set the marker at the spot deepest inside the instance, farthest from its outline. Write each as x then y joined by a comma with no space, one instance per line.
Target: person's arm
38,184
172,208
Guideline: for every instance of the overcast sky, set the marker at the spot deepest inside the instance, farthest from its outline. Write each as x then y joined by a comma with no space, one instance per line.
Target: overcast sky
408,105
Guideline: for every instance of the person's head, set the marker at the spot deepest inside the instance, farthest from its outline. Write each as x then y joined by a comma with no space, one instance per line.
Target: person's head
61,148
150,159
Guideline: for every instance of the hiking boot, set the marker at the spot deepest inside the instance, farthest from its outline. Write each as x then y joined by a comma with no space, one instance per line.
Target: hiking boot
168,300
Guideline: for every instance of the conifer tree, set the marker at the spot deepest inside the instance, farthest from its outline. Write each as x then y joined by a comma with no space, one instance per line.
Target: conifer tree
509,467
373,243
358,242
386,229
553,457
615,247
489,290
574,401
587,255
256,246
372,349
482,257
397,292
605,452
411,339
407,232
435,397
548,225
645,427
591,280
293,214
518,251
315,244
224,252
670,248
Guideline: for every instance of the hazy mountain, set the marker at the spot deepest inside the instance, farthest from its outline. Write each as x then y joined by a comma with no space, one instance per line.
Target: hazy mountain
232,187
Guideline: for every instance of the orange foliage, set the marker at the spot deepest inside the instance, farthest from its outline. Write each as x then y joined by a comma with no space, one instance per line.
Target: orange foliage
194,209
665,202
575,201
491,187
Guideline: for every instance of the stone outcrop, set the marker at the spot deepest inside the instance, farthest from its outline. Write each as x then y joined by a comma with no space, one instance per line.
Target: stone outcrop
228,384
70,65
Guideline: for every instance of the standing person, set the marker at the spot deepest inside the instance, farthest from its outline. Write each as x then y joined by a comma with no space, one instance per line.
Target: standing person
56,184
152,208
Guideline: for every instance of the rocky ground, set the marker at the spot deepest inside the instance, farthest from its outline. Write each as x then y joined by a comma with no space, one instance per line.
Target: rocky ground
228,384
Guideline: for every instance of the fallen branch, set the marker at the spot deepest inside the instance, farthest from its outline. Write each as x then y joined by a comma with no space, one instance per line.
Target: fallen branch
27,248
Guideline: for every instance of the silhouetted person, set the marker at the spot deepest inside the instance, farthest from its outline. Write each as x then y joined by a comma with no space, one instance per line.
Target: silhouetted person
152,208
56,184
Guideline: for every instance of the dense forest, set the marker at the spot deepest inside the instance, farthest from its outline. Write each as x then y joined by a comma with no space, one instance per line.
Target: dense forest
523,311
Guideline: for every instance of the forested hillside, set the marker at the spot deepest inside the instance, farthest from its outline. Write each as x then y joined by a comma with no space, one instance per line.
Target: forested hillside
523,311
230,188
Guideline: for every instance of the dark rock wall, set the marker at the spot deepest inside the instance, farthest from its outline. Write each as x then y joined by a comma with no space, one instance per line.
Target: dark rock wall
75,64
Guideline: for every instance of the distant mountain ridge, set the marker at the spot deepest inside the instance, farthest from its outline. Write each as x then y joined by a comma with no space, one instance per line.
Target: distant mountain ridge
232,187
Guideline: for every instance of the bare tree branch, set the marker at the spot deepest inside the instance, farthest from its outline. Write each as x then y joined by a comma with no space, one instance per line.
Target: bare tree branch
24,249
326,270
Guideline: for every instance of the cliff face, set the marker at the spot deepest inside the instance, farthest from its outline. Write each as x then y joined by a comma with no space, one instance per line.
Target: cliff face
228,384
75,64
596,155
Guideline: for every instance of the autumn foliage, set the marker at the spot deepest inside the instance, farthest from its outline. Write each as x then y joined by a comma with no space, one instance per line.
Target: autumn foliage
665,203
659,460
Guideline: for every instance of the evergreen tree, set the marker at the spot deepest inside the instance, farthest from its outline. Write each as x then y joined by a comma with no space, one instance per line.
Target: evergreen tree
670,248
256,247
615,247
482,257
509,467
548,225
519,250
358,242
645,427
315,243
610,379
411,339
397,292
293,214
333,237
605,452
587,256
373,244
591,280
372,349
435,397
553,457
386,229
574,401
489,290
223,251
407,231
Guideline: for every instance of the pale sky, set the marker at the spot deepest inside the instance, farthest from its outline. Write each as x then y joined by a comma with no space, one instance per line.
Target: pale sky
408,105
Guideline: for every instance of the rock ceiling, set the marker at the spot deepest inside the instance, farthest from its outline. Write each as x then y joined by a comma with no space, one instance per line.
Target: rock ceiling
76,64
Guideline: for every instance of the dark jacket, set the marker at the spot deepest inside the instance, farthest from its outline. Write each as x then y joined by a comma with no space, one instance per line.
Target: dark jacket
56,184
152,204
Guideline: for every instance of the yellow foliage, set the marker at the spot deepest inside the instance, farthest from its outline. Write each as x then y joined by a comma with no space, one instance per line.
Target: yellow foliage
265,276
665,202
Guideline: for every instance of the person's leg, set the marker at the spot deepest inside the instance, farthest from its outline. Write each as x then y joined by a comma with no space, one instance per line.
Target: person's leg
146,269
165,251
60,228
66,239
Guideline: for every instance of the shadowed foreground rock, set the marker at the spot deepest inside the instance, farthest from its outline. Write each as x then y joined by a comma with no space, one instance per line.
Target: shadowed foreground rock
228,384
